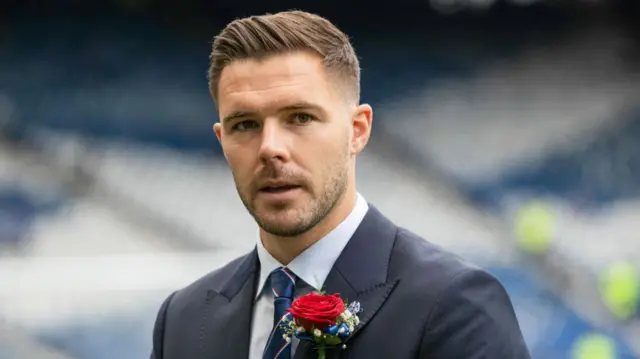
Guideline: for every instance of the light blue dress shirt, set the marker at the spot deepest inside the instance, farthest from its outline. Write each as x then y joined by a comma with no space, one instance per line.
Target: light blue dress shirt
312,267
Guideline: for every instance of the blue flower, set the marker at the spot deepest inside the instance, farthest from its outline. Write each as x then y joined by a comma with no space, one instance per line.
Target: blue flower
332,330
355,308
343,330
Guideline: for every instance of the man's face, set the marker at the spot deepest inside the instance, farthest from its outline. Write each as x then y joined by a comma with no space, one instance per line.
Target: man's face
287,132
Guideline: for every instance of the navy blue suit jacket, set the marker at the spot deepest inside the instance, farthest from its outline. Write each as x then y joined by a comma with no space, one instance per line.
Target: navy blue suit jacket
419,301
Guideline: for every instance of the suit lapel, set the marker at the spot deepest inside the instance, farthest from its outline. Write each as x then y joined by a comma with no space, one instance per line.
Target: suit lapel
361,273
227,313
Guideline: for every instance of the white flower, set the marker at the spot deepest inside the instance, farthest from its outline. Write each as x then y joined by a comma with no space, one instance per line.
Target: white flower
300,329
346,315
317,332
351,328
288,339
356,320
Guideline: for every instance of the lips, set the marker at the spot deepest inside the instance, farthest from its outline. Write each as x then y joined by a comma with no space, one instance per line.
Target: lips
279,188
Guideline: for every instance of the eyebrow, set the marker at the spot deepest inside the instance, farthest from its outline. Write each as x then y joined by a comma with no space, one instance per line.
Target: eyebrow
235,115
298,106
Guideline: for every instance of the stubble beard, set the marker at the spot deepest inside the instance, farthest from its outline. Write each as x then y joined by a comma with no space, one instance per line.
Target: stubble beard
305,217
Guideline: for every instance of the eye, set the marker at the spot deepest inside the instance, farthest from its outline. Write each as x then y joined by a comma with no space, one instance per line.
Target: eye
302,118
244,126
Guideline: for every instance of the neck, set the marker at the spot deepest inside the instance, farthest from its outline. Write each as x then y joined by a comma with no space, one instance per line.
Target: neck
285,249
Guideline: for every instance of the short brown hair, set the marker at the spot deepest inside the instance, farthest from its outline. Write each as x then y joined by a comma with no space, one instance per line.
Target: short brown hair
259,37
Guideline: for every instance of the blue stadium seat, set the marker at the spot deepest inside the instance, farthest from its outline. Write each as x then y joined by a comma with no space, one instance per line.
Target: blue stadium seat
550,327
594,174
104,339
16,216
18,210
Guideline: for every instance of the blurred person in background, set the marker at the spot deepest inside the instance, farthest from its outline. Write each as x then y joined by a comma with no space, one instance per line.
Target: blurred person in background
287,88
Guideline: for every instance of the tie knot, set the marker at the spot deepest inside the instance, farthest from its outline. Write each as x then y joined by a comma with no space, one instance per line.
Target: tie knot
283,283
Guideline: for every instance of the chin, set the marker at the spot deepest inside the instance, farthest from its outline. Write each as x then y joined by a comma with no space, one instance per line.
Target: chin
284,230
283,225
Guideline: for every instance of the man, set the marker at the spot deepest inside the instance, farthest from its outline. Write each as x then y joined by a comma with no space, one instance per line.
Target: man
287,88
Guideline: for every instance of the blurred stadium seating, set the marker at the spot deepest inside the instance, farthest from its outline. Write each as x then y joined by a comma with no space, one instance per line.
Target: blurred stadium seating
109,169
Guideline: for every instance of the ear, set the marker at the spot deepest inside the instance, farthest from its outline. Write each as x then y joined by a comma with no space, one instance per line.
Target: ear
217,128
361,128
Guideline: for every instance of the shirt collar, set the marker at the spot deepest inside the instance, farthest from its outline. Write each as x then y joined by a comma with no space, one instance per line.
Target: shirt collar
314,264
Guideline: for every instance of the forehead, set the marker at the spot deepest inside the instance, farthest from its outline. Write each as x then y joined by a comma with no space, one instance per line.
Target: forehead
274,82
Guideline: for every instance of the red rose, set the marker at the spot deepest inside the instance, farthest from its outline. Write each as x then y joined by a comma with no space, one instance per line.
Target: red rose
316,311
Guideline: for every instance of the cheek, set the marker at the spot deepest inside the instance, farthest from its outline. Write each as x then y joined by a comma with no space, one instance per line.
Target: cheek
319,155
240,164
331,143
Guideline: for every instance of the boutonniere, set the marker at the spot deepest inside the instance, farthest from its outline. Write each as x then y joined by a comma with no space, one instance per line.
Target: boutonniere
325,320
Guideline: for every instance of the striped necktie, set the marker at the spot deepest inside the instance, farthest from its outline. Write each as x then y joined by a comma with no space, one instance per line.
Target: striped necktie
283,284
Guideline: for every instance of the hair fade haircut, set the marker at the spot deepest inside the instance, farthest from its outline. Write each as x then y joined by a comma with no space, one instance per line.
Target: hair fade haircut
260,37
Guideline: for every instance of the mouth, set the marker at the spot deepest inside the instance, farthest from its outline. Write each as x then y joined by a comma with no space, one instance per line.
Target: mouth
279,188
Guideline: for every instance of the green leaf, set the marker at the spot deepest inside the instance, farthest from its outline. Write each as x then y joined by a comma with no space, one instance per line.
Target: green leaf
332,340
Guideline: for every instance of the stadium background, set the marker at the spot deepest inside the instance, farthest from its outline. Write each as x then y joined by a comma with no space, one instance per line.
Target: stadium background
506,131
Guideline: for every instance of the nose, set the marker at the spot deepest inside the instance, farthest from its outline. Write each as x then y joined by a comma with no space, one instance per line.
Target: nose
274,145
